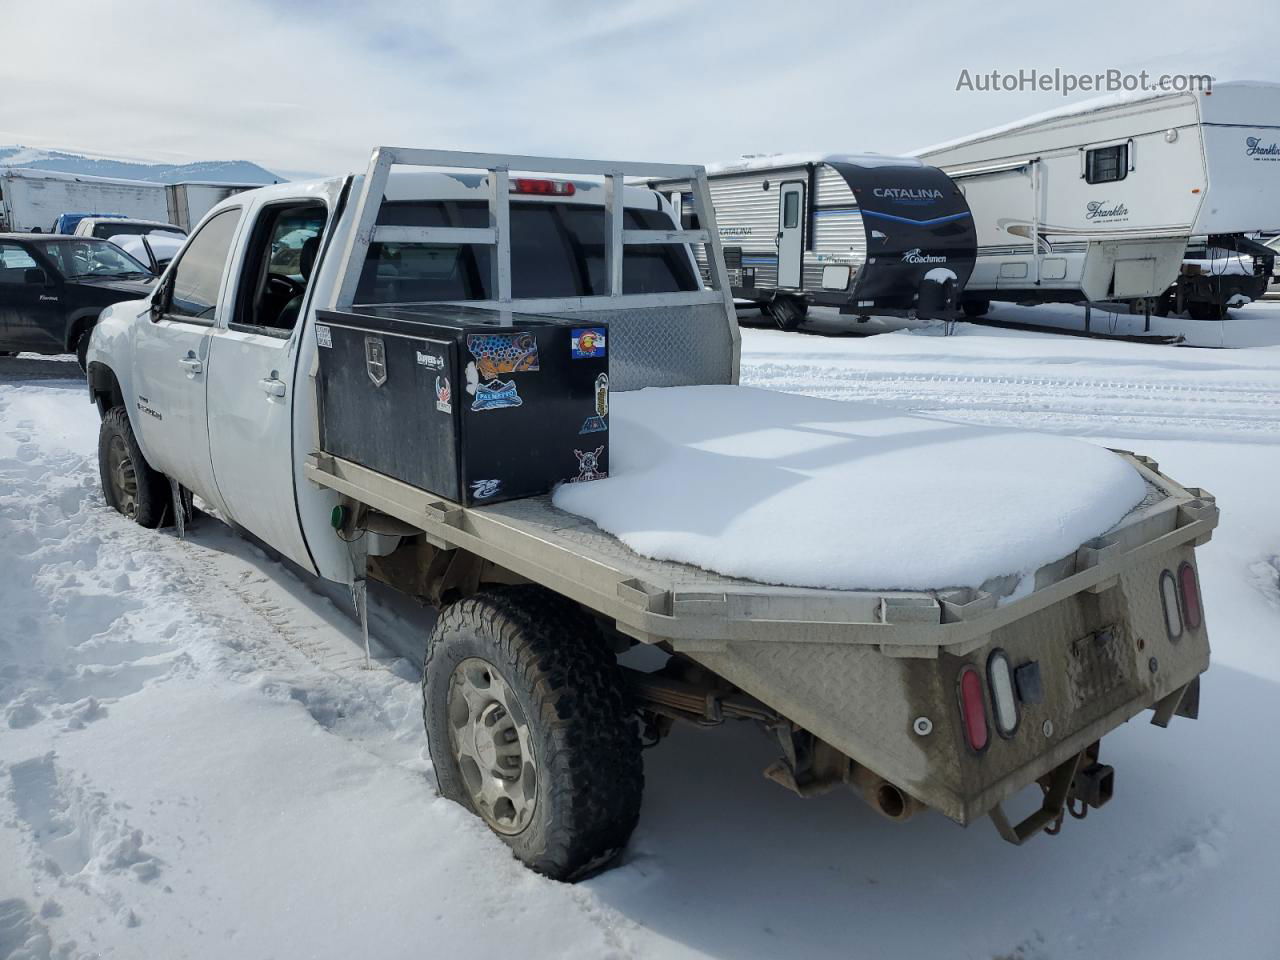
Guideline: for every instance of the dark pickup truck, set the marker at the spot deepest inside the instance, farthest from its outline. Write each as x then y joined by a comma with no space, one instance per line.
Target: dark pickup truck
52,289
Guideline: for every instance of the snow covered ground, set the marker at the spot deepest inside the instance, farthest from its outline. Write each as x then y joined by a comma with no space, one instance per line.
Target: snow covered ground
194,763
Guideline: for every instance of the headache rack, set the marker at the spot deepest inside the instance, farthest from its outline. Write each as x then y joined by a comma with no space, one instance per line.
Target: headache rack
498,235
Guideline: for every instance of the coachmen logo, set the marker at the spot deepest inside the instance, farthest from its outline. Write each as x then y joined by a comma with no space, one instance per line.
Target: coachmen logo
915,256
1254,147
907,193
375,360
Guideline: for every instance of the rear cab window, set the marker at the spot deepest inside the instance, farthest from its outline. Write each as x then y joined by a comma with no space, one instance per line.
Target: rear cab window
557,250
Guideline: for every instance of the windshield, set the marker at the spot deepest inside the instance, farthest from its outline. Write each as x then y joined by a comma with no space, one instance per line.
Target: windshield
77,259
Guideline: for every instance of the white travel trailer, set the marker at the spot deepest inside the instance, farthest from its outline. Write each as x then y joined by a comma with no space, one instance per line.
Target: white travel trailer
1097,201
867,234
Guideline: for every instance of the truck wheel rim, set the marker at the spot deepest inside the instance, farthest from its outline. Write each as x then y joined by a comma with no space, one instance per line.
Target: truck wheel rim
124,479
489,737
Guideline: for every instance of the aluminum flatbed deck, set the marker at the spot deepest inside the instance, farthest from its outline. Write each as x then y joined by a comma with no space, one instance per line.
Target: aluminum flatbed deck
699,611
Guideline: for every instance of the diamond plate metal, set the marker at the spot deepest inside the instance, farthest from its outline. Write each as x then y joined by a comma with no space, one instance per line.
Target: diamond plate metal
665,346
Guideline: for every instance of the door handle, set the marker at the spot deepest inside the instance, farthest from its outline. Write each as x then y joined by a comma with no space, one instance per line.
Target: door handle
272,386
193,365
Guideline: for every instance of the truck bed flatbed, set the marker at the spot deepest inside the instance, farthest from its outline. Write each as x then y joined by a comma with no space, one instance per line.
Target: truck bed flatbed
698,610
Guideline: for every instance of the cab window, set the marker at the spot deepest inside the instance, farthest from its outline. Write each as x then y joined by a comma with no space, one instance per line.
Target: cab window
197,278
15,261
279,266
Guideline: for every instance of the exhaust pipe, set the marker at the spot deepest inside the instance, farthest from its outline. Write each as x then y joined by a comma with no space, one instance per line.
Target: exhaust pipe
887,799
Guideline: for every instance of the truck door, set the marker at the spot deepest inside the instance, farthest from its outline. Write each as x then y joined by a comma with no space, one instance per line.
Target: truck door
30,294
172,359
790,233
253,360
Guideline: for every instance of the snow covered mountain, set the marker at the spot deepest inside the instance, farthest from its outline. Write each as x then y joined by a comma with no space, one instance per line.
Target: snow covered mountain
87,164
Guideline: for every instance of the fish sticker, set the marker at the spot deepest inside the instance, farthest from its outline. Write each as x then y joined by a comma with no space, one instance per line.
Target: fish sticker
503,353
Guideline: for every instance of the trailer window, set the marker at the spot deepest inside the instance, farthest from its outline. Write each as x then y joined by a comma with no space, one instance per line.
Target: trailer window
1107,164
791,210
557,250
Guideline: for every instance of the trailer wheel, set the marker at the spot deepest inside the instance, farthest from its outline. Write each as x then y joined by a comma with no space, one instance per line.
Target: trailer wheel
787,312
1206,310
128,482
527,724
975,308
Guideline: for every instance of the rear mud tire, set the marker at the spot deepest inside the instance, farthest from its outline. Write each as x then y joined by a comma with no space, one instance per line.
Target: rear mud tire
975,308
559,692
129,485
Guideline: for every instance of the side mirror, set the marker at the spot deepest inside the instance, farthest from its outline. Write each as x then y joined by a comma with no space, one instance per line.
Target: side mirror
35,276
160,300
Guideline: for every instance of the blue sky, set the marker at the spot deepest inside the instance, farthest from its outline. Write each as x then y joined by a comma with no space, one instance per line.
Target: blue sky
312,86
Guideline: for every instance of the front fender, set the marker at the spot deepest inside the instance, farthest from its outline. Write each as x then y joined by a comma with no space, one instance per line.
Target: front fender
111,345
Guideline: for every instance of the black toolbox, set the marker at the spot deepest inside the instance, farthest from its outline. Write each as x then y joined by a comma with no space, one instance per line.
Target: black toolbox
451,400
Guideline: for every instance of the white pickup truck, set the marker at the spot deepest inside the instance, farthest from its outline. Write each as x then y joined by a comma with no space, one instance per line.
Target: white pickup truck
949,699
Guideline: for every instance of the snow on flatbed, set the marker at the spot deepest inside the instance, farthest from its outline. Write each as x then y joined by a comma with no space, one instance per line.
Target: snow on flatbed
808,492
193,762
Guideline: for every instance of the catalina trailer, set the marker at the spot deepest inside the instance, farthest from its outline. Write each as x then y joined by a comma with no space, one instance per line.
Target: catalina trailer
865,234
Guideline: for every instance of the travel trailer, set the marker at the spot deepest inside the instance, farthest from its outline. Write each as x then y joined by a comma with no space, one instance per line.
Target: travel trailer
1098,201
865,234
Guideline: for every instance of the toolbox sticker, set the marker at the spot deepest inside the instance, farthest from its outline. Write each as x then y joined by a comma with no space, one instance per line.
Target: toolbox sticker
430,360
495,395
375,359
485,489
444,396
324,337
499,353
598,424
589,465
587,343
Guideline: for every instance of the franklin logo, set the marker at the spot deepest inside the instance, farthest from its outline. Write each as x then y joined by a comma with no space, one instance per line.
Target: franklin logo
375,360
1254,147
907,193
1098,210
915,256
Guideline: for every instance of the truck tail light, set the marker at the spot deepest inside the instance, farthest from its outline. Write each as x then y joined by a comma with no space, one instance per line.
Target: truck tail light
1003,699
973,709
1191,613
546,188
1169,601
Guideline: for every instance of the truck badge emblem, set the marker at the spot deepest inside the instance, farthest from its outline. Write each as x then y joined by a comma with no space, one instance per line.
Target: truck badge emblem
499,353
587,343
589,465
375,360
495,395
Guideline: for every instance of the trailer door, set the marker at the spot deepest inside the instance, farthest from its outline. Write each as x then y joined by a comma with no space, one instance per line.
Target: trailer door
790,233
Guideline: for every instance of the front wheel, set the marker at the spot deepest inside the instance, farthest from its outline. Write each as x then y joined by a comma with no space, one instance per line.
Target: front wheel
128,482
527,724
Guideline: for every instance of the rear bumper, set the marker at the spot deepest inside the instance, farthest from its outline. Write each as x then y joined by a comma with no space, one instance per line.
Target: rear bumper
869,706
